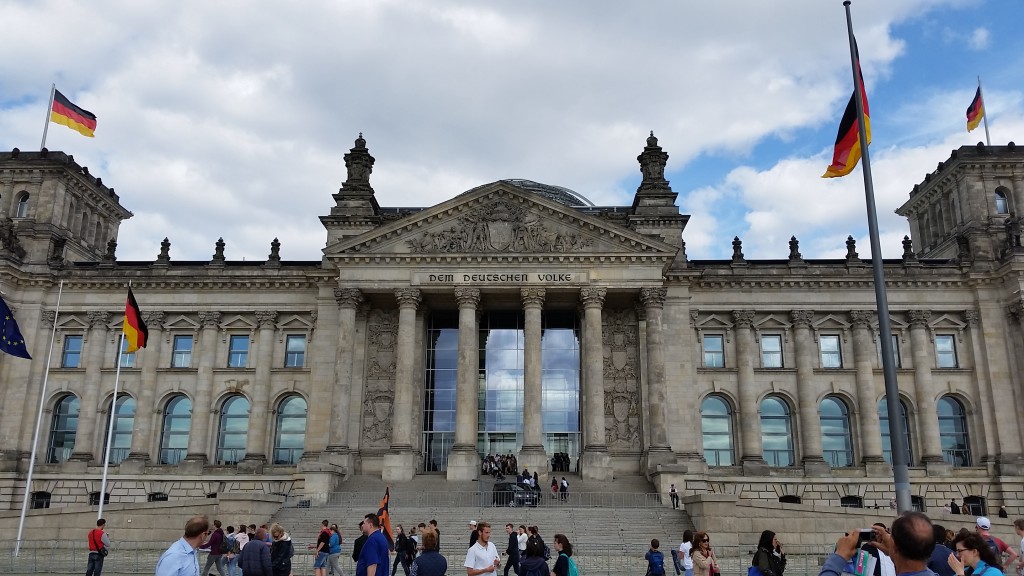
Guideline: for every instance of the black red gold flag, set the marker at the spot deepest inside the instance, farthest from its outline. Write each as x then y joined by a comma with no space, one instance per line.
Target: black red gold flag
385,518
976,111
135,332
67,113
847,149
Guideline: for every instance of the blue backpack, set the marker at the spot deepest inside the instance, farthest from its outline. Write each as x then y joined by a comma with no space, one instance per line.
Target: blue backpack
656,563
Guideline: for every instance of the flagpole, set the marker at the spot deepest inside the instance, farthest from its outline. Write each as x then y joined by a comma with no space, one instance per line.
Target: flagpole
39,419
901,473
984,114
49,108
110,428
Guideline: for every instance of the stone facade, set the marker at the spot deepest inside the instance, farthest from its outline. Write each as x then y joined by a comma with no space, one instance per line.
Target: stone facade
330,353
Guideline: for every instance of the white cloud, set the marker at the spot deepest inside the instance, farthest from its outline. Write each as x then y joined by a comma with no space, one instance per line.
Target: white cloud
979,39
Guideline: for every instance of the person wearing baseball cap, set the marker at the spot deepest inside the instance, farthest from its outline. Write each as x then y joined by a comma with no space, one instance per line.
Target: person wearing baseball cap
473,534
997,545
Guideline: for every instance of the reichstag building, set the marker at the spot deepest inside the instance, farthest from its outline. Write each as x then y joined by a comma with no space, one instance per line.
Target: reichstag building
518,318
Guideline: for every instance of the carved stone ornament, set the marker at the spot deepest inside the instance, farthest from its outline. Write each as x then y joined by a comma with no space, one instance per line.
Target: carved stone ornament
500,226
620,339
467,297
653,297
802,318
378,395
743,318
378,406
98,319
593,296
919,317
348,297
48,317
382,335
861,318
532,297
408,297
209,319
153,319
973,317
266,319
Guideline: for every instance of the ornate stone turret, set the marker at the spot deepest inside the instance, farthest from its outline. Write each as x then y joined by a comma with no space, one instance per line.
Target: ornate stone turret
654,210
355,210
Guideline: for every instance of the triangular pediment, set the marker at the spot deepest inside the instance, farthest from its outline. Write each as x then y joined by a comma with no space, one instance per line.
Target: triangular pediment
500,219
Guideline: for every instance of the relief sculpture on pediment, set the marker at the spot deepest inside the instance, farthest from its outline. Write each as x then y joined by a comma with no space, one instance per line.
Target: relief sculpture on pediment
499,226
620,337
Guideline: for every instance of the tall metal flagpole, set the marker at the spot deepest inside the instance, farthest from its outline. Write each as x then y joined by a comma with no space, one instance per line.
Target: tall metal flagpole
984,115
39,419
901,474
110,428
49,108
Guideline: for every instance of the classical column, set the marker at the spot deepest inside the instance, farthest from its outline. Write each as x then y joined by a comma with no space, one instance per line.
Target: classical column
400,462
199,434
752,456
985,430
659,452
142,435
532,455
807,407
89,430
256,440
464,460
927,417
349,300
595,461
867,410
1010,456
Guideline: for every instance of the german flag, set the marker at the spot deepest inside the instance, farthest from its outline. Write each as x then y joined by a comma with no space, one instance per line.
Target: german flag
135,331
848,146
78,119
385,518
976,111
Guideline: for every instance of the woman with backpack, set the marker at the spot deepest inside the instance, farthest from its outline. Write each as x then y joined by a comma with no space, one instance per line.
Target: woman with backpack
769,558
533,563
565,565
976,557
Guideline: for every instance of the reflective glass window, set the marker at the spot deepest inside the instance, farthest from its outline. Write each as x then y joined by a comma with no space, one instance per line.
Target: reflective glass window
776,432
714,351
175,430
63,427
716,427
291,430
836,444
234,429
956,447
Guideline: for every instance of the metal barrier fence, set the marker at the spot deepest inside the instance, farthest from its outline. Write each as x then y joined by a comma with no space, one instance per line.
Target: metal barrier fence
482,498
70,558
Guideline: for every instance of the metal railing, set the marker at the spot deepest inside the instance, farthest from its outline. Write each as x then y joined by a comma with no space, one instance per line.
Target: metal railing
287,455
172,456
718,457
779,458
838,458
957,457
64,557
480,498
230,456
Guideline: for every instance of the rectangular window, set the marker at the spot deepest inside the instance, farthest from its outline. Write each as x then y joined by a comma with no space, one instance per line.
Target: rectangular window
182,357
127,358
72,357
771,351
295,351
238,352
831,354
896,351
945,351
714,351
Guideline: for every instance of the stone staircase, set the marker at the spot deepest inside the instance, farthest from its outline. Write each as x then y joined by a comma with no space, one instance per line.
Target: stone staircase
619,517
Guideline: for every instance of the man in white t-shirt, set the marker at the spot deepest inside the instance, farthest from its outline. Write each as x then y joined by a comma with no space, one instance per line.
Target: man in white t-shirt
482,557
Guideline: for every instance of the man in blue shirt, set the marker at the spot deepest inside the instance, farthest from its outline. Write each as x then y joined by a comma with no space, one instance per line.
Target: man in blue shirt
910,546
373,557
181,558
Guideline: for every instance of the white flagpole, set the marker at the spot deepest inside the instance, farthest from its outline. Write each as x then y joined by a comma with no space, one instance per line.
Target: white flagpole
110,428
39,419
984,114
49,108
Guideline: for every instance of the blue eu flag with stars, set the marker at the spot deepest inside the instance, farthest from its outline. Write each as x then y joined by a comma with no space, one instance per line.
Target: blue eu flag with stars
11,340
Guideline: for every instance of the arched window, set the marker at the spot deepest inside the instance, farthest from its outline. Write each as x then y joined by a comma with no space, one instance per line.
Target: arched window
234,429
883,422
836,445
1002,207
291,430
716,425
956,447
22,205
776,432
177,422
851,502
123,426
62,429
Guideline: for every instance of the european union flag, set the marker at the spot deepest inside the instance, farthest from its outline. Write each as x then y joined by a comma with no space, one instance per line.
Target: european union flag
11,340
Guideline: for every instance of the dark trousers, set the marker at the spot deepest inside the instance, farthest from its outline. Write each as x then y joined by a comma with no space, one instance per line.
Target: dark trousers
95,566
512,563
675,500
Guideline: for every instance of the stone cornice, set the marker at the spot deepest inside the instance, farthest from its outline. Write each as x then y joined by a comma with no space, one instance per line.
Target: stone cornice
553,258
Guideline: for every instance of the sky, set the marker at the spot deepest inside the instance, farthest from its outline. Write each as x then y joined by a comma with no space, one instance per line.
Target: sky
231,119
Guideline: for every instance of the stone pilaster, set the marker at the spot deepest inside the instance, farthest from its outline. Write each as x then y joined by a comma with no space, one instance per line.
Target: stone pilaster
532,455
752,450
256,441
464,460
89,430
142,435
807,407
659,451
867,412
202,403
924,395
981,386
400,461
595,462
338,449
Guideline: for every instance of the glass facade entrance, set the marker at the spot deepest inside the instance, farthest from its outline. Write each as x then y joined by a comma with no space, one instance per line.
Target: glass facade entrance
501,384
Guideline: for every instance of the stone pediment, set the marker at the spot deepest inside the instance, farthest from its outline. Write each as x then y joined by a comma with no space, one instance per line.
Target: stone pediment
500,219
